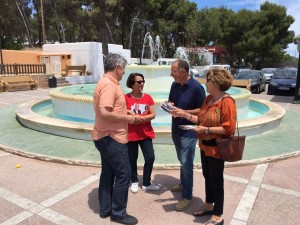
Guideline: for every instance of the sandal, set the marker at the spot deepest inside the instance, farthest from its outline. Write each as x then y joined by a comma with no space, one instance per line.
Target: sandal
203,210
214,222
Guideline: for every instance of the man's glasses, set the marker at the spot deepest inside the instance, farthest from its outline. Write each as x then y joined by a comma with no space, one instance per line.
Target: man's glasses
140,81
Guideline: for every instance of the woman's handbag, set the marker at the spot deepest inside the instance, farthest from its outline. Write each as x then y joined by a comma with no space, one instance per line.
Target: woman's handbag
231,148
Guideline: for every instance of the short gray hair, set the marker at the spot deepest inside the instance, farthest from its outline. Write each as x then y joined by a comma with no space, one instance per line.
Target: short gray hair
182,64
112,60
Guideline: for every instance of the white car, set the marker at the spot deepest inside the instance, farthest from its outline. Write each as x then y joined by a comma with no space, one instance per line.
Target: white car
268,72
165,61
221,66
194,72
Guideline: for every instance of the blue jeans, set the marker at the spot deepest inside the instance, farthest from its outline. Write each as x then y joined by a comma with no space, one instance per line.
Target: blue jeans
149,157
185,149
114,178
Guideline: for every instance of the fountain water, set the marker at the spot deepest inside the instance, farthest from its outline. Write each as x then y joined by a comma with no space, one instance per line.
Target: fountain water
181,54
158,49
205,56
150,42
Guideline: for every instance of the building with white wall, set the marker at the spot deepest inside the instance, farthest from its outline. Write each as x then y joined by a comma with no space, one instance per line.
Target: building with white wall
88,53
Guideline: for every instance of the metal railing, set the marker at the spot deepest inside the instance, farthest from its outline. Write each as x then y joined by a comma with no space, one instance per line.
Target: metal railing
19,69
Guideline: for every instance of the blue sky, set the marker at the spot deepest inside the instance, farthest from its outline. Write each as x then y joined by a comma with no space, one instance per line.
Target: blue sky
293,9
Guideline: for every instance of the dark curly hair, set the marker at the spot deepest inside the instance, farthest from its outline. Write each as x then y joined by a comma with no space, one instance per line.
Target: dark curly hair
131,79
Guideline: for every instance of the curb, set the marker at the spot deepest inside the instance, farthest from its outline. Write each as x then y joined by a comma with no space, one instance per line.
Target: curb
140,166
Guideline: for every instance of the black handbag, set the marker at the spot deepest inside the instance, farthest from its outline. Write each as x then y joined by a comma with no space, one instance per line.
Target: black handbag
231,148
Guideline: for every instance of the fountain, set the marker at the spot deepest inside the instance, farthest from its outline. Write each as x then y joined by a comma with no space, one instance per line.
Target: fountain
181,54
150,42
75,103
155,48
158,48
205,56
69,112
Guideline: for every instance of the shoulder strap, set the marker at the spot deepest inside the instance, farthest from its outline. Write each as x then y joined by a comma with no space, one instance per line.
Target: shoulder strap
237,123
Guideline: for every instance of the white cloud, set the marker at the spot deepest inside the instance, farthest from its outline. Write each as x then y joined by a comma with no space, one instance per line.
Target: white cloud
293,9
246,4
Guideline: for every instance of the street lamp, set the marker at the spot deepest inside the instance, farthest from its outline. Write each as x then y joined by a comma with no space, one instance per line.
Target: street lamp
297,90
117,24
147,28
62,30
134,20
182,33
1,60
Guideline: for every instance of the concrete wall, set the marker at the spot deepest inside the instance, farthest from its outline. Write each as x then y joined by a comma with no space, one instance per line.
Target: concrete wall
34,57
20,57
88,53
112,48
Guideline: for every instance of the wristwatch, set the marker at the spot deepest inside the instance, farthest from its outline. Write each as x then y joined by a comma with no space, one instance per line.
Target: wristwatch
207,130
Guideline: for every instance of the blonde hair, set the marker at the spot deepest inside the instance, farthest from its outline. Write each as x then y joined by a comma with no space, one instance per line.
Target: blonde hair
221,77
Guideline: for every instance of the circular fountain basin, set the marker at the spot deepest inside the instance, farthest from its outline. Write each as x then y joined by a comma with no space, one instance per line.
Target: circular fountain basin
77,102
267,117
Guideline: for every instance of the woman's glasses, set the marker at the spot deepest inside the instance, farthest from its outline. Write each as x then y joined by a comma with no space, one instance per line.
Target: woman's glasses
207,80
140,81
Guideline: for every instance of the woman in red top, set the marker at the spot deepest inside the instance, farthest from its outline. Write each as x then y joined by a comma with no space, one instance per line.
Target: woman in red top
141,105
216,118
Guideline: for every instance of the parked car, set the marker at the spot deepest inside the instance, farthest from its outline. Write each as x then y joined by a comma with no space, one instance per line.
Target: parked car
221,66
165,61
193,72
283,80
258,80
202,74
268,72
238,70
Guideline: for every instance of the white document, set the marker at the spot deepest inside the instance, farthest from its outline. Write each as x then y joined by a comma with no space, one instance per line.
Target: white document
187,127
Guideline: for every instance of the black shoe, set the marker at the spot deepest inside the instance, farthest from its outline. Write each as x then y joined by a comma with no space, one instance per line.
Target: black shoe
127,219
103,216
215,222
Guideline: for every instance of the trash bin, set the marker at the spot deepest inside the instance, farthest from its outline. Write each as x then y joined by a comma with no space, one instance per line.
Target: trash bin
52,82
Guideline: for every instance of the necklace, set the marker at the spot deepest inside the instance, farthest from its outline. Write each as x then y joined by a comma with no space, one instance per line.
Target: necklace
214,99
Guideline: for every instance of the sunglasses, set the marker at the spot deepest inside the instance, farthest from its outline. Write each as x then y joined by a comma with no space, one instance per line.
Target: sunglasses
140,82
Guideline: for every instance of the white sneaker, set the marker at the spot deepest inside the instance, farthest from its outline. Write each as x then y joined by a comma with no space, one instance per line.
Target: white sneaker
134,187
151,187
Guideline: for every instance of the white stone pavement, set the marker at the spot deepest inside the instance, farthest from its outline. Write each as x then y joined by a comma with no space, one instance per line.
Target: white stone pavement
30,207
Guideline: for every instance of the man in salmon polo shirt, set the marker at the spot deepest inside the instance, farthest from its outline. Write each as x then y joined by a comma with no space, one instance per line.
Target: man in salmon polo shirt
110,137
